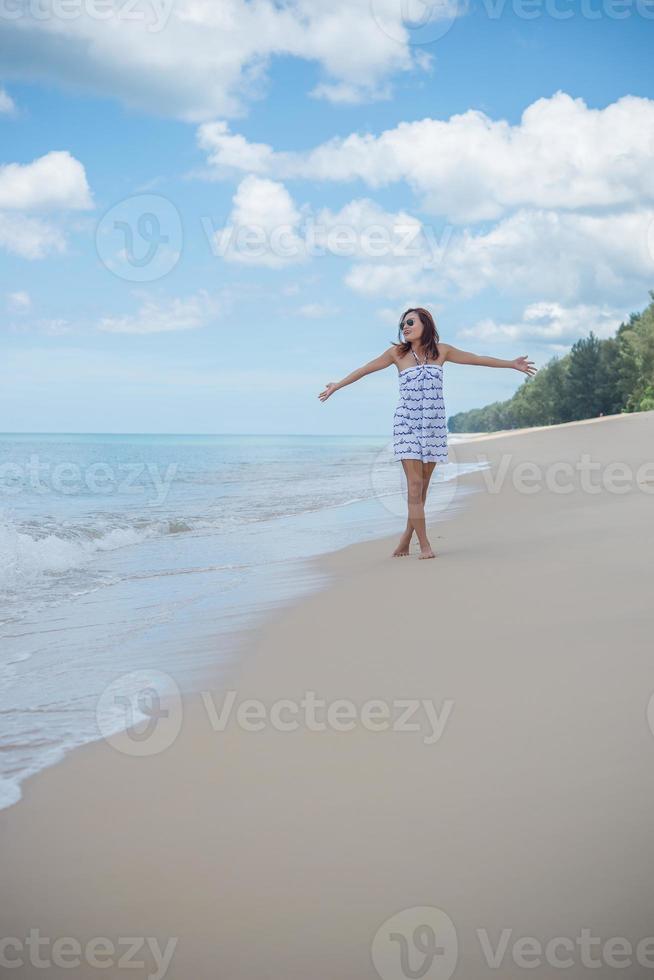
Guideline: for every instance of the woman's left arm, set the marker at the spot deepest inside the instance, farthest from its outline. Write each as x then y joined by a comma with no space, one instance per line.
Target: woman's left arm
466,357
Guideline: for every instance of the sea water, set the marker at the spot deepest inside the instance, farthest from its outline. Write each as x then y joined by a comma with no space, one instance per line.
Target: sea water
127,553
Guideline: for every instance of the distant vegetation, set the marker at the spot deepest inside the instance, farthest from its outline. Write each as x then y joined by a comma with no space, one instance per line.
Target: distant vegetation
597,377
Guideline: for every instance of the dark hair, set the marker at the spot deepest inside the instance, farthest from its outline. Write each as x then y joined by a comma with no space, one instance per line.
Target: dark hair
429,337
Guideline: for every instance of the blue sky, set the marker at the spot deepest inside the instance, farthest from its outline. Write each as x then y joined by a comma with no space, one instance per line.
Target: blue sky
503,150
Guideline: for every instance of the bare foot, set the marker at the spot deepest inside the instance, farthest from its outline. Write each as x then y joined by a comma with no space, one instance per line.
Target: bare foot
402,549
426,553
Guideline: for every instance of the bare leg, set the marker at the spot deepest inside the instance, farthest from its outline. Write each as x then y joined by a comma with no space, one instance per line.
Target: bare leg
418,475
405,541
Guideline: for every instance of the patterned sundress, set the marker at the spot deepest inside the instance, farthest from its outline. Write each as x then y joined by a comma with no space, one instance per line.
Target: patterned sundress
420,424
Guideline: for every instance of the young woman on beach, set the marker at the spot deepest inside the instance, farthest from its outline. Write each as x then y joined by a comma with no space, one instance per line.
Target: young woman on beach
420,424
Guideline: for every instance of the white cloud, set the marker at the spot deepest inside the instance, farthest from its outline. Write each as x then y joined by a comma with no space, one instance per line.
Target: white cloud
263,227
556,206
390,280
572,257
176,314
29,237
562,155
570,189
56,181
555,254
362,228
229,152
564,256
345,93
551,325
266,227
19,301
7,104
196,59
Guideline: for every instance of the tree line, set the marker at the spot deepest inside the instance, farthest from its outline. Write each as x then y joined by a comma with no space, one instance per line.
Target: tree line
597,377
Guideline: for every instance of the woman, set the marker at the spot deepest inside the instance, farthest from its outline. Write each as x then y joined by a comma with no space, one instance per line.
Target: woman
420,425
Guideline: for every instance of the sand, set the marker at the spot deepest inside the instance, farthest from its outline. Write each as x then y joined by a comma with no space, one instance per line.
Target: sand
518,813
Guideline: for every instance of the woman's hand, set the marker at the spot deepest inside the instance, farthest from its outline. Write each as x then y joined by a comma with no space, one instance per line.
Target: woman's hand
329,390
383,361
522,364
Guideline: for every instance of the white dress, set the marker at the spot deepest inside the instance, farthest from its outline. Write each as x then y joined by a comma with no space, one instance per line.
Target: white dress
420,424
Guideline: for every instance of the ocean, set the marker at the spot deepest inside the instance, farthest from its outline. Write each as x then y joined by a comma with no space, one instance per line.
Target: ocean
127,554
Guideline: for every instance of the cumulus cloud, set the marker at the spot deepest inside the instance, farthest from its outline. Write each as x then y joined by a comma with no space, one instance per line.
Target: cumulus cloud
562,155
553,255
139,53
550,324
266,227
263,227
29,237
231,152
558,205
176,314
56,181
373,231
7,104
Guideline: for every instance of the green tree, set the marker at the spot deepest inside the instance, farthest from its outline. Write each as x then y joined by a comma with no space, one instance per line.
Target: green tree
610,388
584,378
597,376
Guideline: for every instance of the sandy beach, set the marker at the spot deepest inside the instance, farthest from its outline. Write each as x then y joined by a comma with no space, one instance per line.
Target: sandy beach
473,796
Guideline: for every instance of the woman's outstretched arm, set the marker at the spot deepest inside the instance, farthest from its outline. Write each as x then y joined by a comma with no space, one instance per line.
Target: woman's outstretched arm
466,357
383,361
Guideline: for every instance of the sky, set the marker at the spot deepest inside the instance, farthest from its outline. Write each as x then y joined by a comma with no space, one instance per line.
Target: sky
209,210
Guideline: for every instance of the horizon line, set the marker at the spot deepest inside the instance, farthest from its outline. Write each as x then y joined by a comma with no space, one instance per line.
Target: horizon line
271,435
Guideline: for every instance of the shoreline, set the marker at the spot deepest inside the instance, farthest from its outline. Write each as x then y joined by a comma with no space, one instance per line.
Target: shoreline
169,598
280,853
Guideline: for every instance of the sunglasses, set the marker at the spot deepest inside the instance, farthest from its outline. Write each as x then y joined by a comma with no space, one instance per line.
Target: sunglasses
408,323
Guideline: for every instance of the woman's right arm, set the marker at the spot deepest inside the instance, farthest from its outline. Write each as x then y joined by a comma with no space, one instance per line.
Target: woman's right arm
379,363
